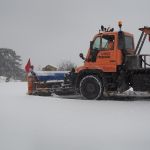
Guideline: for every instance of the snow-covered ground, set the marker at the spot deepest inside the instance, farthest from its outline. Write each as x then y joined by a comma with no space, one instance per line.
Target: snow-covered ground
54,123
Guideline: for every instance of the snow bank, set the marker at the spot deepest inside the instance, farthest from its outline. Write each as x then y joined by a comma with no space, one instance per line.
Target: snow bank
2,79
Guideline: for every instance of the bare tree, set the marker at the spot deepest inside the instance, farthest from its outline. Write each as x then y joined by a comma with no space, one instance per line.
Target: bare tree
66,65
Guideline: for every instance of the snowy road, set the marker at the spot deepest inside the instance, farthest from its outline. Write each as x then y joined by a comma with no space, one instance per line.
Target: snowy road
53,123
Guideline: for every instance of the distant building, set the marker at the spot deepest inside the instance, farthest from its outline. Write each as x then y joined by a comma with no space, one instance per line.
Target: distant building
49,68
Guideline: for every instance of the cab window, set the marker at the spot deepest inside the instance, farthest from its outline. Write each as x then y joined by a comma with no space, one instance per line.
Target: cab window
104,43
107,42
96,44
129,42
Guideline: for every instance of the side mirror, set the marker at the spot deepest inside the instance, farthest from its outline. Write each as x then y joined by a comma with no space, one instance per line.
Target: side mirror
81,56
91,44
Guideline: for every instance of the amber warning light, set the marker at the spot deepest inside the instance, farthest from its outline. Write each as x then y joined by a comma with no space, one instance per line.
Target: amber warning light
120,24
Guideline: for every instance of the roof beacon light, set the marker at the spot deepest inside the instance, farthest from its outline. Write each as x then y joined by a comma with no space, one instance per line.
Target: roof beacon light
120,24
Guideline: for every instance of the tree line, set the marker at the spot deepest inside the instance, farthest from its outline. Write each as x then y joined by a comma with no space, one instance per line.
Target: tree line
10,65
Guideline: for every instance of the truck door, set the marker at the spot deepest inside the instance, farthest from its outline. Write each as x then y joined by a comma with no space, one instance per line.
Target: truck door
106,57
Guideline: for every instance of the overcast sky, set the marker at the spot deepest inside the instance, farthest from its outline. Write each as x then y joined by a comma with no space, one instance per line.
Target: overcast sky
50,31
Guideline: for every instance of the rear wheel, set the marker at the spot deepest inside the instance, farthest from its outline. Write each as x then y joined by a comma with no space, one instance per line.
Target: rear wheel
91,87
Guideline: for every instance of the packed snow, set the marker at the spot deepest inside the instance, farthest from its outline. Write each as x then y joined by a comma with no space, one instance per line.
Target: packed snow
71,123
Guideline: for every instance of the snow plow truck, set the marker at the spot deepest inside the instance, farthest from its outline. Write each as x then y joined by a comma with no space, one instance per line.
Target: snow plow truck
112,64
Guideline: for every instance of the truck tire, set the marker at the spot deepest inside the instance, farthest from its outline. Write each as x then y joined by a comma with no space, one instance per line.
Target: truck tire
91,87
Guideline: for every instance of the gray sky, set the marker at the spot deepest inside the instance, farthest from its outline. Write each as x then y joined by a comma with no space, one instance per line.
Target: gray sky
49,31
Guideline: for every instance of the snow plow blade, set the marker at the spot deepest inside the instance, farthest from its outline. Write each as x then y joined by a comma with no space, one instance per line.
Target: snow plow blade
45,83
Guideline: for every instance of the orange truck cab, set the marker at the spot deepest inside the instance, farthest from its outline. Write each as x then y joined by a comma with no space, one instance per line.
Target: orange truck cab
107,50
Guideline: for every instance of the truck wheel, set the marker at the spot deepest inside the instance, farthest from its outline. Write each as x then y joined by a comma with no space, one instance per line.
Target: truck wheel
91,87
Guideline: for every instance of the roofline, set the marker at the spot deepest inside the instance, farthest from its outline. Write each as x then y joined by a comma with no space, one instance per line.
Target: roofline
110,33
